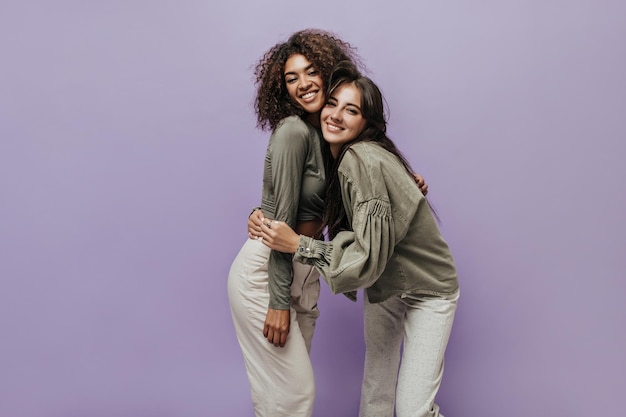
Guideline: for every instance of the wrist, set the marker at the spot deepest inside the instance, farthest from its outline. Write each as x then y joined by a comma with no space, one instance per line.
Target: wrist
295,244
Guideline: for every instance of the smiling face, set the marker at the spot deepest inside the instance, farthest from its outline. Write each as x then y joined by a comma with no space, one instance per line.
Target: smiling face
305,85
342,119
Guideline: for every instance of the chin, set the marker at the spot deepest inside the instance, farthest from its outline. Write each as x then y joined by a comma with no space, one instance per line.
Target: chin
313,108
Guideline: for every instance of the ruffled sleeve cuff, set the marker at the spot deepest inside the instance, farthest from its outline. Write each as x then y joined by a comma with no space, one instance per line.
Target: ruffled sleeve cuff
309,250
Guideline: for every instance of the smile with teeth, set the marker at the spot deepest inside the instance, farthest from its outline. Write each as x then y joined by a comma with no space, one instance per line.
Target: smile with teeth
308,95
333,128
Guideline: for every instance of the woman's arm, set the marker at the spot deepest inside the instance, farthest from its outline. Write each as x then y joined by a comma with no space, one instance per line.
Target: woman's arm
285,162
353,259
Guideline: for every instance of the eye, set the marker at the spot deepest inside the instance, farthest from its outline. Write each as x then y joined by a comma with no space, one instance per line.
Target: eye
290,80
352,111
313,73
330,104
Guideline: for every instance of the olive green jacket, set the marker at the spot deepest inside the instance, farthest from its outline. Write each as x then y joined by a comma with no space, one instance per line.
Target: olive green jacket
395,246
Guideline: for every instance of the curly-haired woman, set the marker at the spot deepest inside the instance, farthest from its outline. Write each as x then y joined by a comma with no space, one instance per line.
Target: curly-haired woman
273,300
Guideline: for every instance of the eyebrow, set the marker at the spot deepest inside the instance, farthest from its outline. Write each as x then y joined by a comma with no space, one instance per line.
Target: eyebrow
349,104
308,67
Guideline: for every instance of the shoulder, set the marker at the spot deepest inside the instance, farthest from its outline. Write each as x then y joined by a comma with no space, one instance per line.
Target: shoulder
361,172
292,135
291,126
362,155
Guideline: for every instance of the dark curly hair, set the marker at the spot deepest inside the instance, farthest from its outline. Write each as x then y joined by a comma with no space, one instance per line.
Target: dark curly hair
324,50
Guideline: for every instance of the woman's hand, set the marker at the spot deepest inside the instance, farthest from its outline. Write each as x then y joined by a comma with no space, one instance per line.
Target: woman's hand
276,327
254,224
421,184
279,236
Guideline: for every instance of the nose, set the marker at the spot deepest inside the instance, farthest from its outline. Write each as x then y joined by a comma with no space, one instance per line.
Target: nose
305,84
335,115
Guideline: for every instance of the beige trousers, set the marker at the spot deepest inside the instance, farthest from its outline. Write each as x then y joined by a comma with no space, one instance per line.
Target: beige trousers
405,343
281,379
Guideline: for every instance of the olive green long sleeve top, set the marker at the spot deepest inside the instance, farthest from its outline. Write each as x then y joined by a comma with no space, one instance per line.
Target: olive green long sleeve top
395,246
294,185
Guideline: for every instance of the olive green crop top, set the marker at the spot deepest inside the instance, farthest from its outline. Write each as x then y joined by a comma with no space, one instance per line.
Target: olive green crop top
294,186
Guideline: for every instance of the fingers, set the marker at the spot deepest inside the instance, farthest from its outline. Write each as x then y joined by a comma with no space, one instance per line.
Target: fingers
276,327
421,183
268,223
272,336
254,230
265,228
270,232
254,224
256,216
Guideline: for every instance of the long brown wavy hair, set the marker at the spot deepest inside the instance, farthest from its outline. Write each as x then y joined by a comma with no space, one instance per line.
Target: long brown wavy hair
373,109
323,49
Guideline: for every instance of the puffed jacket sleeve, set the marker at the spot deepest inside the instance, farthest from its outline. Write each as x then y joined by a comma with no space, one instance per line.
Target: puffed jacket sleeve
357,258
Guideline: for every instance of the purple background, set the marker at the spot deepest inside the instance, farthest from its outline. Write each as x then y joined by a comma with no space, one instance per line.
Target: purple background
129,160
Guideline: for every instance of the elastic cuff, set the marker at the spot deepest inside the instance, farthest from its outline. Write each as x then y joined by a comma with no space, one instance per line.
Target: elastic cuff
305,247
309,250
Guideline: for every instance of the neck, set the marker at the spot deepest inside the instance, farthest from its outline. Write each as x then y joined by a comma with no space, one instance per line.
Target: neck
313,119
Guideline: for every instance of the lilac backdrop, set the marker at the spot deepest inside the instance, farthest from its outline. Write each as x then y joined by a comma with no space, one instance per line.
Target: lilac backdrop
129,160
